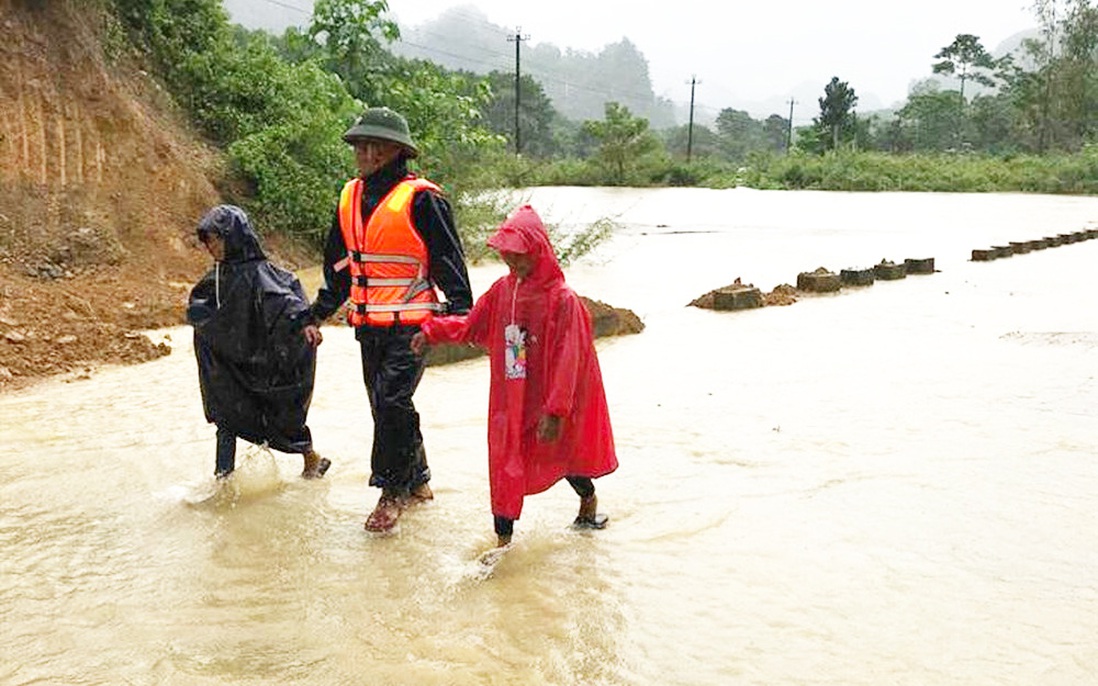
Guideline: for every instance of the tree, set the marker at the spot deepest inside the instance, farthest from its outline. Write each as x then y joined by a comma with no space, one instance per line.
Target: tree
928,120
351,33
739,133
774,129
993,120
623,138
964,57
536,113
836,118
445,121
1055,97
703,142
1080,43
443,108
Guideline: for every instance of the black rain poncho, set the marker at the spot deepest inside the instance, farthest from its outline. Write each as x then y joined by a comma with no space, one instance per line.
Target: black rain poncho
255,368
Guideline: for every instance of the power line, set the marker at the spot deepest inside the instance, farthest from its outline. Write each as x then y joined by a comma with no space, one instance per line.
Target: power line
536,73
306,12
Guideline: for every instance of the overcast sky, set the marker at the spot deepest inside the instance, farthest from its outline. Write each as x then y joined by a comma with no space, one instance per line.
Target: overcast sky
753,51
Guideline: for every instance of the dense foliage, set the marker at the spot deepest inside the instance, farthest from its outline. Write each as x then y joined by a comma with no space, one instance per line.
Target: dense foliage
277,106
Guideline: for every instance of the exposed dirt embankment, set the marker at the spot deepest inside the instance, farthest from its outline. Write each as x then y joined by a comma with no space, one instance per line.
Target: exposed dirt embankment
99,193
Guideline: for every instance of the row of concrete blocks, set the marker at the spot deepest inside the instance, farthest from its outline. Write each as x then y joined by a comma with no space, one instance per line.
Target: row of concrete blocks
823,281
744,297
1022,247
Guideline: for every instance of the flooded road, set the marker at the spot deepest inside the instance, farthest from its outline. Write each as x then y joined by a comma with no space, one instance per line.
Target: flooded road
893,484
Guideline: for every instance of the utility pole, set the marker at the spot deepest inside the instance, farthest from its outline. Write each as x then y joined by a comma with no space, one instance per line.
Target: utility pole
789,128
690,129
517,39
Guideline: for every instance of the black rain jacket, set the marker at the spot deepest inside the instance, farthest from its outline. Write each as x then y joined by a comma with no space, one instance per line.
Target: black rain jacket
255,368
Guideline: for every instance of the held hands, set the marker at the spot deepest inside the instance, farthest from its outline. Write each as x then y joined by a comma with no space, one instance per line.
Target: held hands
313,335
418,343
548,428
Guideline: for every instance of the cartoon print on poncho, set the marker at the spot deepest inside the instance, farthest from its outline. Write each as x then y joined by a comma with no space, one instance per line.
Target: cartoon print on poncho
255,368
562,375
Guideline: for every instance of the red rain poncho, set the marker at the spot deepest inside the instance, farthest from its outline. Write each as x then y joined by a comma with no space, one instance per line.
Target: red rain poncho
547,365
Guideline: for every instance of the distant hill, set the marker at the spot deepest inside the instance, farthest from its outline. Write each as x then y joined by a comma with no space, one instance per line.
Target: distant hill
578,83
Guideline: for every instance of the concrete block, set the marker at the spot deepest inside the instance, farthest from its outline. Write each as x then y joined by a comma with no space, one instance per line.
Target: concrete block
818,282
889,271
923,265
737,298
857,277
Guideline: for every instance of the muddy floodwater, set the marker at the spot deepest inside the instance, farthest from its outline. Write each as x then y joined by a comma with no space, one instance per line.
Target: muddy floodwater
894,484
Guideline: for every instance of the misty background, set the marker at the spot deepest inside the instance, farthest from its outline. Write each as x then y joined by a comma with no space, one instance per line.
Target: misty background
580,82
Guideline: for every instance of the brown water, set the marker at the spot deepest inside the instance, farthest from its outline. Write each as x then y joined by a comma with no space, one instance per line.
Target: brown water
892,485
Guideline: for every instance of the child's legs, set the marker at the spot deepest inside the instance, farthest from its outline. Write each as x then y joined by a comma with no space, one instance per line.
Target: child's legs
226,452
582,485
504,527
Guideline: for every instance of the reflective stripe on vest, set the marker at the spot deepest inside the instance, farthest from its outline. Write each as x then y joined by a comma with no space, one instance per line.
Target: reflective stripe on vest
387,257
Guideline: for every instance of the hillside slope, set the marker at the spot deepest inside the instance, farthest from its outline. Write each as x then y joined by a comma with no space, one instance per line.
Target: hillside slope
99,194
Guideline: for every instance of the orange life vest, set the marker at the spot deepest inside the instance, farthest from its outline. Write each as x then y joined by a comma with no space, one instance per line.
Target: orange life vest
387,258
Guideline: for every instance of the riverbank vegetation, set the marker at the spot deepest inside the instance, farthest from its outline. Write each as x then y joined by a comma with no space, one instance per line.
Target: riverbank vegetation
275,106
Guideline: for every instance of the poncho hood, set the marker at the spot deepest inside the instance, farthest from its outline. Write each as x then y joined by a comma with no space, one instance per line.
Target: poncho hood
523,232
232,225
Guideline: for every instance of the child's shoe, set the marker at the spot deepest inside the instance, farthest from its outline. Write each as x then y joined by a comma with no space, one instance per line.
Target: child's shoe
589,517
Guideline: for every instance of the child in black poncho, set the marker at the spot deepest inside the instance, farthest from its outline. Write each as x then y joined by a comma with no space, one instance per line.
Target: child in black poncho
255,347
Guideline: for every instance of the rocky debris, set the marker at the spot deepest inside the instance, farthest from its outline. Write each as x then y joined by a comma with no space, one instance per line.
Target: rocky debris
607,320
781,296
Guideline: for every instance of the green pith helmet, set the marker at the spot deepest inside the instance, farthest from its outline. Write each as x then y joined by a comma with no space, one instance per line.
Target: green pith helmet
385,124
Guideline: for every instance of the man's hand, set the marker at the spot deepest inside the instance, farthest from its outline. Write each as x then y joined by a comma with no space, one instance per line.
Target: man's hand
548,428
313,335
418,342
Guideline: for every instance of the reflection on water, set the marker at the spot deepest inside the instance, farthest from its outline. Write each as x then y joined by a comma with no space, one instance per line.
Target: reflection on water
893,484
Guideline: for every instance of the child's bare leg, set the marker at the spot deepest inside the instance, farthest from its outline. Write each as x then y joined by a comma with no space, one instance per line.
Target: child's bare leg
589,507
226,453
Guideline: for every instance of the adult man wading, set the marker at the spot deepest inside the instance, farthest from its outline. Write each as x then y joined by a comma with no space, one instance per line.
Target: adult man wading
391,244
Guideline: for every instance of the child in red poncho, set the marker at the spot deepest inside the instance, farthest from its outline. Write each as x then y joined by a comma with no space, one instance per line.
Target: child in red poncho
547,413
